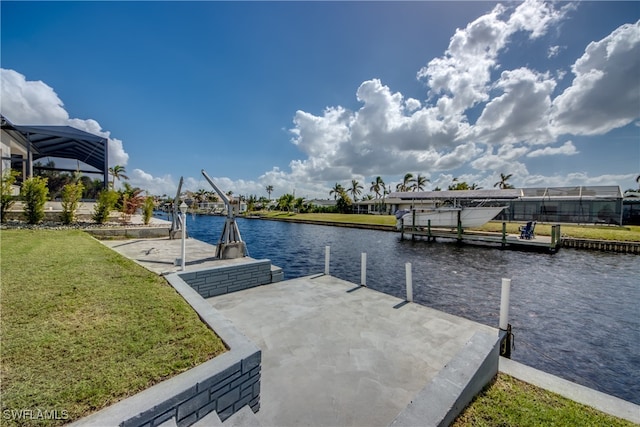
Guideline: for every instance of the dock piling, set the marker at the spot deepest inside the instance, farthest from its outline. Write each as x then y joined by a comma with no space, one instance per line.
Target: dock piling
409,281
505,327
327,258
363,269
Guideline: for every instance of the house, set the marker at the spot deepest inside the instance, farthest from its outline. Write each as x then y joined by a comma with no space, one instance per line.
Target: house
580,204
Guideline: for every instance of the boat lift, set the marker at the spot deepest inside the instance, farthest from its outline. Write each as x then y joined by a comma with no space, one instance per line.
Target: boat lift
176,218
230,244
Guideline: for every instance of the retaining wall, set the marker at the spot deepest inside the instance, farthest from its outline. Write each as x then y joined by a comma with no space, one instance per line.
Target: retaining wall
231,278
602,245
134,232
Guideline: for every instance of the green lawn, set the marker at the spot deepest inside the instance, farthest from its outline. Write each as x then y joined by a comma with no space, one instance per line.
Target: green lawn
83,327
334,217
510,402
628,233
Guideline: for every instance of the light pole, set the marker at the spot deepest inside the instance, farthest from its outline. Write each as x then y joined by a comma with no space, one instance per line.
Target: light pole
183,209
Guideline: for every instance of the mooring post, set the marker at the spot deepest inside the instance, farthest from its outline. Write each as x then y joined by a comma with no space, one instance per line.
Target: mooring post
505,327
327,258
429,230
363,269
459,225
409,280
504,234
413,227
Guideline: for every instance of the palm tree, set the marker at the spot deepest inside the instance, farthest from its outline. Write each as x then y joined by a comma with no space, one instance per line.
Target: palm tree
269,190
376,186
118,172
200,195
355,190
406,183
502,184
336,191
299,204
286,201
419,183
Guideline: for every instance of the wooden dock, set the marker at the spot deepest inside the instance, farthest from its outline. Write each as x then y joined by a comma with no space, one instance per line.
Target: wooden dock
504,240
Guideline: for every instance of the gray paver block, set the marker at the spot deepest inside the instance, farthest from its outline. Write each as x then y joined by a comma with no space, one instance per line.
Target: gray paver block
251,362
193,404
226,401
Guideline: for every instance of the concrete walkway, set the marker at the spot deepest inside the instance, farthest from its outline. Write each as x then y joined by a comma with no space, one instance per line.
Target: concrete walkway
160,255
336,354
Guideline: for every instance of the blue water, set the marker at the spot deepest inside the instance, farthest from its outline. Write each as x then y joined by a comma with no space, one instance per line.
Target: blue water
575,314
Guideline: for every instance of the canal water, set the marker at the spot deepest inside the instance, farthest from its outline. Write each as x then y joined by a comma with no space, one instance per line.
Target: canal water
575,314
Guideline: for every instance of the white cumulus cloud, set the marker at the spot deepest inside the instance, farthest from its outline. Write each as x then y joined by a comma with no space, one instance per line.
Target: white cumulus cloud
567,149
27,102
606,88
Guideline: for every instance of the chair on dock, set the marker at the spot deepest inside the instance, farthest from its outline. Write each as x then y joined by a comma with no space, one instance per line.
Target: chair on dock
526,231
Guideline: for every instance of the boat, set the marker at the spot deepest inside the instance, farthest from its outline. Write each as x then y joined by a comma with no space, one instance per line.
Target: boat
448,217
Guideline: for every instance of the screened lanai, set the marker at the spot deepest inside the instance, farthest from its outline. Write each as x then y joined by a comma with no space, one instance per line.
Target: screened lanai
579,204
582,204
23,145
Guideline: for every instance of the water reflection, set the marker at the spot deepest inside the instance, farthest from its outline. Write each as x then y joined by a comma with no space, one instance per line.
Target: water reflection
574,314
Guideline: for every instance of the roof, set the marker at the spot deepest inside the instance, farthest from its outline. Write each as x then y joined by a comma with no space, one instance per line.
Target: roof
578,192
64,142
457,194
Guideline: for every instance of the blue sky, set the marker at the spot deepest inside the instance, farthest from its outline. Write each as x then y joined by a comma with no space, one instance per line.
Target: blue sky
301,95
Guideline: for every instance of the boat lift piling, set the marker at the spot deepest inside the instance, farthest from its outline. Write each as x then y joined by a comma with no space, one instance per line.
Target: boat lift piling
363,269
327,259
409,281
505,328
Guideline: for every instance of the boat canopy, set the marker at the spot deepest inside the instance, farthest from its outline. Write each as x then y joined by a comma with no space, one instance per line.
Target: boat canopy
457,194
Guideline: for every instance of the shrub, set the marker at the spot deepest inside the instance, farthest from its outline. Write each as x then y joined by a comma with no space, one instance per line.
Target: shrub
6,193
107,200
71,195
147,209
34,194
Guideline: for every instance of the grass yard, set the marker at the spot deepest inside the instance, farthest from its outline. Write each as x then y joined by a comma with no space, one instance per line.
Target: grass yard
510,402
333,217
627,233
83,327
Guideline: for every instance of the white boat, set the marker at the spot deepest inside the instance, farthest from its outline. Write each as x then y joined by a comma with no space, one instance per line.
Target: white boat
447,217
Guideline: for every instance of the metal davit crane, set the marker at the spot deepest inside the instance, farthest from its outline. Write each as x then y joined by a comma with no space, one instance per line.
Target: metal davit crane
176,219
230,244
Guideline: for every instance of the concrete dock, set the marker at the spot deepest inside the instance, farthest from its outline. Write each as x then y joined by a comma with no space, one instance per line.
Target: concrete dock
333,353
336,354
